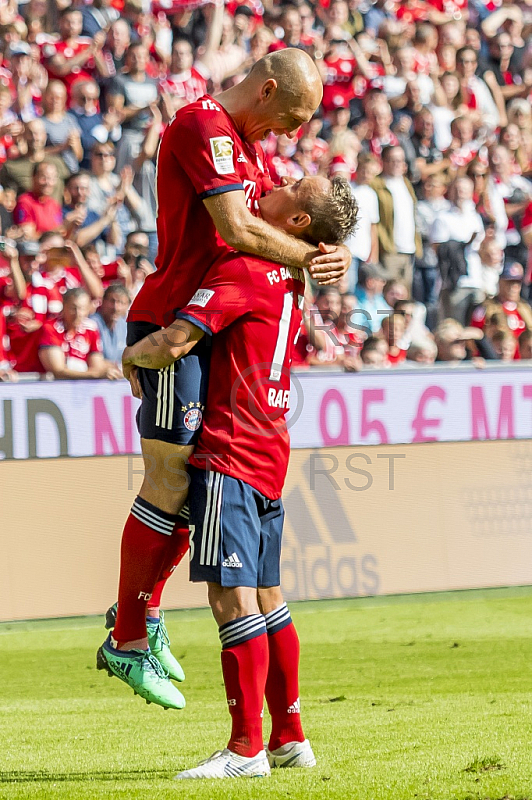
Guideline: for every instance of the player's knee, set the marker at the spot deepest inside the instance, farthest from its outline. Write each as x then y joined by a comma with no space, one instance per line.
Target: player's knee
269,598
228,603
165,479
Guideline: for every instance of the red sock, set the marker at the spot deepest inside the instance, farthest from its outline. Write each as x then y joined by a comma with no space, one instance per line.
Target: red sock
176,548
244,667
282,687
144,542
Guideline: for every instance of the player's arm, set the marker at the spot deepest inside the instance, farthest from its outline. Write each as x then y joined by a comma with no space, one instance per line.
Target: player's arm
162,348
244,232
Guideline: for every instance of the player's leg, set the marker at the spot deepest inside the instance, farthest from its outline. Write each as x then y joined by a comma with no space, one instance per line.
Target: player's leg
225,541
147,538
287,746
168,420
148,530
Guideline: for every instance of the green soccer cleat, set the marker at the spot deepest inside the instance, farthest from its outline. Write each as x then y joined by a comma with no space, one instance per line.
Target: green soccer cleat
143,672
160,647
158,641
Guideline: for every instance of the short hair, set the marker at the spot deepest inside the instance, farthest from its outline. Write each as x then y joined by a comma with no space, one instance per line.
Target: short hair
116,288
135,233
387,149
424,32
181,38
501,336
371,345
526,336
467,48
49,235
135,46
421,345
78,291
333,215
399,304
83,173
368,158
46,162
323,291
69,10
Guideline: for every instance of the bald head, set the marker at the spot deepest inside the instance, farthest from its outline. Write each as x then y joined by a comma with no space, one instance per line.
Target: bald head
294,71
281,93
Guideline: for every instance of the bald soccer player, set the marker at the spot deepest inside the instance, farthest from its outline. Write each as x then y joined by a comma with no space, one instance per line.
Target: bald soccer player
210,176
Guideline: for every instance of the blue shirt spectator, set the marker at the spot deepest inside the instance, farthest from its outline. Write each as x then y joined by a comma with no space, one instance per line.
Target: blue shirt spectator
111,321
93,125
371,307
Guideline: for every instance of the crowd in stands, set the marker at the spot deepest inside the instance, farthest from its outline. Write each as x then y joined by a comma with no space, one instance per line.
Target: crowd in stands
426,111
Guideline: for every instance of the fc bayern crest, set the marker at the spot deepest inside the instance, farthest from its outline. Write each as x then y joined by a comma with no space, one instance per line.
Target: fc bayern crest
193,419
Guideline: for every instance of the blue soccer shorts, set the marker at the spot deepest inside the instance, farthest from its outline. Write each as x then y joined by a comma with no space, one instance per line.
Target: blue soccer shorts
235,532
173,398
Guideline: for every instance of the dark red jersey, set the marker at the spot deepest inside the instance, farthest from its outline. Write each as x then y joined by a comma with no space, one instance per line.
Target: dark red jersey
201,154
252,307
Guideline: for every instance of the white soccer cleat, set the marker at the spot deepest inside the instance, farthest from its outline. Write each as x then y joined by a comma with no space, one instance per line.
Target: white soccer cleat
293,754
225,764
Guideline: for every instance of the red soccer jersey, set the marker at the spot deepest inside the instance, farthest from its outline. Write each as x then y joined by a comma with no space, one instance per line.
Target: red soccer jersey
338,87
3,341
77,345
45,212
252,307
86,72
188,86
55,284
201,154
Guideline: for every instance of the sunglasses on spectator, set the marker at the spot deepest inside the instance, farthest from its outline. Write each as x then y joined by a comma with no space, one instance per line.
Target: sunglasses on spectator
85,98
101,154
467,61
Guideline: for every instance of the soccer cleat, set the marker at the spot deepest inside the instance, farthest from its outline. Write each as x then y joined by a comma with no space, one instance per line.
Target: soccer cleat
293,754
160,647
158,641
140,670
225,764
110,617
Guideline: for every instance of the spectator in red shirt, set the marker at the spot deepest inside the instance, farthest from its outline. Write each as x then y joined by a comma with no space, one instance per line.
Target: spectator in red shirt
70,346
37,211
393,331
184,83
75,57
65,268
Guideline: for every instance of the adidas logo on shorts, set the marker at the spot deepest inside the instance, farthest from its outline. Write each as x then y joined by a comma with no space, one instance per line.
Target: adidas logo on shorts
232,561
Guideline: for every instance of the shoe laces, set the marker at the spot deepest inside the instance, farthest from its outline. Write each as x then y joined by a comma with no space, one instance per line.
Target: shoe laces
156,666
216,754
163,633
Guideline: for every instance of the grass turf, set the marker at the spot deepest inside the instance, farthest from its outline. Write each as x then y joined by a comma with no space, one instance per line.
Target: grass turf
421,697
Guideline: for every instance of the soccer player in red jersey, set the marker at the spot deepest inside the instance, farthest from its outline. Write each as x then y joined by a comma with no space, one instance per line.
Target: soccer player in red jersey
210,176
251,307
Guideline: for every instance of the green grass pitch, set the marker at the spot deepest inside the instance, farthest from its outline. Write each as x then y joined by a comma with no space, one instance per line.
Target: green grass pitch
426,697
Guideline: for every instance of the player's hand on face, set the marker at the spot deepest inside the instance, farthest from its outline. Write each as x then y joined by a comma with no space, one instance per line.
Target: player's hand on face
331,265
